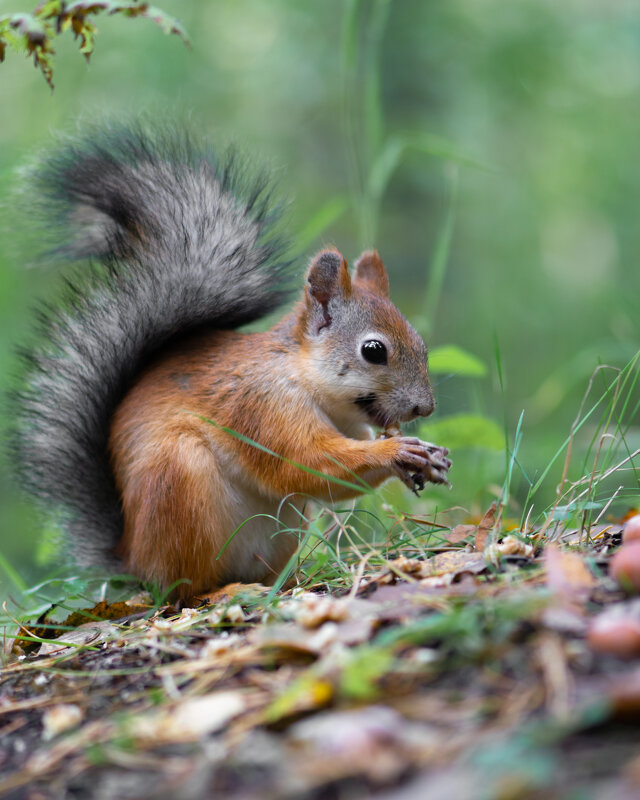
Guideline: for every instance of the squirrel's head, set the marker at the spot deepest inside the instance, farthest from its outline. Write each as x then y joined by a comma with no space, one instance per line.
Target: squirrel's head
363,359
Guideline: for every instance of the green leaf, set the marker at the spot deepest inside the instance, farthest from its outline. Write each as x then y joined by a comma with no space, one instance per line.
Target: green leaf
363,669
51,8
35,34
453,359
167,23
463,430
307,692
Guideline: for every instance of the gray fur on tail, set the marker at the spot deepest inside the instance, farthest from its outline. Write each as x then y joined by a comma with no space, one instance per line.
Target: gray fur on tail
177,241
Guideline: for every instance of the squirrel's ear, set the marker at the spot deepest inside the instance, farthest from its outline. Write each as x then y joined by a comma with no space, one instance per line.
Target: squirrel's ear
328,279
371,273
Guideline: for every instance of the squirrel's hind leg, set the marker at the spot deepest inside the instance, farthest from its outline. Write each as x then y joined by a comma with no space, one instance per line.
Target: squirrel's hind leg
172,513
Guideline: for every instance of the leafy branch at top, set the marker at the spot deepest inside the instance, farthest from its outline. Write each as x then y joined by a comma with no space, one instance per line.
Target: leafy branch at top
34,34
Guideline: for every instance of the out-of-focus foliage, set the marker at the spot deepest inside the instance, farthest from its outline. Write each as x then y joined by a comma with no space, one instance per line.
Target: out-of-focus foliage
488,149
451,358
464,430
34,34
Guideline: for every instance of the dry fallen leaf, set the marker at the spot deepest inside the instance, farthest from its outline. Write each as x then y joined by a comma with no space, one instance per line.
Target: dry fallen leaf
484,527
460,533
568,577
221,645
315,609
401,602
509,546
228,592
375,741
59,718
90,633
346,622
455,562
480,532
190,719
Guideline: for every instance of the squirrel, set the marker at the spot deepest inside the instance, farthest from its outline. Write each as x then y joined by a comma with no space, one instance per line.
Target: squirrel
174,446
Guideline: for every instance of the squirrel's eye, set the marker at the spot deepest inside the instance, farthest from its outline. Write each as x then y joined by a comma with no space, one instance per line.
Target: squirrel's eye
374,352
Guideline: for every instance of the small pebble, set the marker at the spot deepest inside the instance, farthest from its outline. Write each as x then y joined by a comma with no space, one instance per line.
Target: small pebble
615,637
631,530
625,566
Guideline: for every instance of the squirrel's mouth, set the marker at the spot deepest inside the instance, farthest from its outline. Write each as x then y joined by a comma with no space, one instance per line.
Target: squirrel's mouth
376,414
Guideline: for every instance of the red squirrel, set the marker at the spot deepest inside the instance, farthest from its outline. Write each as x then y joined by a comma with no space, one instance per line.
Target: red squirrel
125,423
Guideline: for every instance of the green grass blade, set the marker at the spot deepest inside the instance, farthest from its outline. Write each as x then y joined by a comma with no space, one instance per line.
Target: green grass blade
331,478
324,217
12,574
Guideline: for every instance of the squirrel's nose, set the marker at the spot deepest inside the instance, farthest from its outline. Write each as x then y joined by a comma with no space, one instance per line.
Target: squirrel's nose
424,408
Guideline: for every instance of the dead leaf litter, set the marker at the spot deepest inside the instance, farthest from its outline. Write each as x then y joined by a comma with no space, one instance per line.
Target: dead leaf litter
470,664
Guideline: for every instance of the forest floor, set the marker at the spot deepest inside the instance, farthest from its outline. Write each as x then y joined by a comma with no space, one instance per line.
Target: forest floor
484,666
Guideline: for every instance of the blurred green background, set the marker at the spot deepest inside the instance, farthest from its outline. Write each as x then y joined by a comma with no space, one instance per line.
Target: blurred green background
488,149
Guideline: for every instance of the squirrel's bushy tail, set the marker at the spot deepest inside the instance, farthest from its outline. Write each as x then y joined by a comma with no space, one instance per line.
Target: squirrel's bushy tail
177,241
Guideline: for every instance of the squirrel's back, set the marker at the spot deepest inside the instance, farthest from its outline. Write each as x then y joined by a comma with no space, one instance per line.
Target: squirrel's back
178,240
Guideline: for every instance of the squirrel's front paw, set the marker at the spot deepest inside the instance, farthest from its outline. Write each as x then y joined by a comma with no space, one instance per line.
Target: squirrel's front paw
417,462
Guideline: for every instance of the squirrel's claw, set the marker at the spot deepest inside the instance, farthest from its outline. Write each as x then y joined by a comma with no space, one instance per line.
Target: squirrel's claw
408,478
434,469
